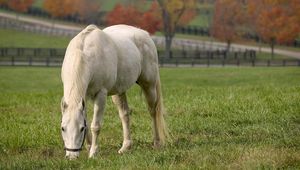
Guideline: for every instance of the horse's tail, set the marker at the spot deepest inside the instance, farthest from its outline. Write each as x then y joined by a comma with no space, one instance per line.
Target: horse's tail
159,114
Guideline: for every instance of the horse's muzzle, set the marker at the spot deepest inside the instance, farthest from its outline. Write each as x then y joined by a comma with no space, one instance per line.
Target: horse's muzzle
72,155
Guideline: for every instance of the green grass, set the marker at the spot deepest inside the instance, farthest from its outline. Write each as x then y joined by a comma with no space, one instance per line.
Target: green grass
12,38
219,118
201,21
38,3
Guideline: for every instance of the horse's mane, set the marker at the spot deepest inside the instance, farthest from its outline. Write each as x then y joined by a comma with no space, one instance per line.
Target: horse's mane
75,72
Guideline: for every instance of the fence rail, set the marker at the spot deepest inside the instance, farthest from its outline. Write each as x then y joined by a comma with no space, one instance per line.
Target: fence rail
54,57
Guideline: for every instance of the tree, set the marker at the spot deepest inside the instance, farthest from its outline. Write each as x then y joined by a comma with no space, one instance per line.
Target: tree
151,20
85,8
3,2
130,15
63,8
227,21
19,5
124,15
276,21
172,11
56,8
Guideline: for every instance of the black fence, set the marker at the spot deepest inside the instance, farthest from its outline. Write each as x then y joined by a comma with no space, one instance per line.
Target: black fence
179,58
31,56
193,30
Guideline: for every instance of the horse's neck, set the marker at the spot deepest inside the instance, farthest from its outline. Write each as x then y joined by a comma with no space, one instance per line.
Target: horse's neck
75,76
74,92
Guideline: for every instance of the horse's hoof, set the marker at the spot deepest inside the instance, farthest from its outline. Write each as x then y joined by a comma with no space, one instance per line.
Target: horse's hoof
93,152
125,147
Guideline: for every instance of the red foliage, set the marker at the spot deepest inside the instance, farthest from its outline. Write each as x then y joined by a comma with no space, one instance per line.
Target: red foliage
151,20
277,21
62,8
124,15
129,15
228,17
19,5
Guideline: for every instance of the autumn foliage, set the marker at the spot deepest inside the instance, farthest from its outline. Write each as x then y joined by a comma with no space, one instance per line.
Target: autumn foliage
273,21
130,15
175,13
63,8
18,5
276,21
227,21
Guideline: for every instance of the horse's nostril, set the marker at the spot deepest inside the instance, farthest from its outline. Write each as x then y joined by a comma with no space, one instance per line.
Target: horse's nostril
82,129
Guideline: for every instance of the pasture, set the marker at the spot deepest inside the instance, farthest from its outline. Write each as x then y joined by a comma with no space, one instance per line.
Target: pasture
219,118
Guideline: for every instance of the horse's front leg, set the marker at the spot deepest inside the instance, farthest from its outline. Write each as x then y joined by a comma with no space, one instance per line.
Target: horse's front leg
99,104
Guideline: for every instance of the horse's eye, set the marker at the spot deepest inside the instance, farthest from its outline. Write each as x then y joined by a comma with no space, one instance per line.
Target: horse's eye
62,129
82,129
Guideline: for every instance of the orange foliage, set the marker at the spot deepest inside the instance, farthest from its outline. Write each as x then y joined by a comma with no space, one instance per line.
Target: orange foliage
177,13
187,17
228,18
131,16
62,8
55,7
19,5
276,21
3,2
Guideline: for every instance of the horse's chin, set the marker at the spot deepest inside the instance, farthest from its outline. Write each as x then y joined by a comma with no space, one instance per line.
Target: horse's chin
72,155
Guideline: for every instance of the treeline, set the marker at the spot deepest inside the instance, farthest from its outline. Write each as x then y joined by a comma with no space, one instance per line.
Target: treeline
89,11
271,21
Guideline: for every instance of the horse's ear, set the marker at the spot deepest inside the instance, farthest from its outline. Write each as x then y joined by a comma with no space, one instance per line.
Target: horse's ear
63,105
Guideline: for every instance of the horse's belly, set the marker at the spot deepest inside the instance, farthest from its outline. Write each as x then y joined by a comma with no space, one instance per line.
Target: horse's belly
129,70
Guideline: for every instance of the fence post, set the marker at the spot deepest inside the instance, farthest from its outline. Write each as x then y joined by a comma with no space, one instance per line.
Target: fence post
283,62
269,63
253,63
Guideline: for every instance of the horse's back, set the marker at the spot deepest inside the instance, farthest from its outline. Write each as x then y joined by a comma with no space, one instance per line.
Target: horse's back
124,34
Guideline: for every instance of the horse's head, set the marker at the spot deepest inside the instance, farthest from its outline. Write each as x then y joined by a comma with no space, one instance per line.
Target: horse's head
73,127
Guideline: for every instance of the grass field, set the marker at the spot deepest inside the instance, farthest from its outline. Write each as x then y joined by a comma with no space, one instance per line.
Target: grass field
219,118
12,38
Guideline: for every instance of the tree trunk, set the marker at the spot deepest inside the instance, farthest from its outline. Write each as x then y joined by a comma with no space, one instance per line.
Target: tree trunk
167,33
168,45
272,48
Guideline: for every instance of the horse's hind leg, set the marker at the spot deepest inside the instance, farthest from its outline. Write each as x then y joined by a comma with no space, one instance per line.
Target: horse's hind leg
156,110
121,103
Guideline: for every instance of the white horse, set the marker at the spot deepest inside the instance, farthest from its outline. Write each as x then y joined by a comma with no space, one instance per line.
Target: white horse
100,63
